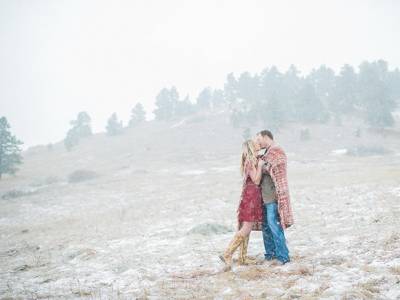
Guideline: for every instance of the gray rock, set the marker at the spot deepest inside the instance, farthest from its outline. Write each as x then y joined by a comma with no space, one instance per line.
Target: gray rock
209,229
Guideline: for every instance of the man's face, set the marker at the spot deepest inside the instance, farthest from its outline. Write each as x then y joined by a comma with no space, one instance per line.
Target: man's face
261,141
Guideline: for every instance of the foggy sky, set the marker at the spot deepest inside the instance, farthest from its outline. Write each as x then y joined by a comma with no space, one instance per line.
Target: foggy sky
61,57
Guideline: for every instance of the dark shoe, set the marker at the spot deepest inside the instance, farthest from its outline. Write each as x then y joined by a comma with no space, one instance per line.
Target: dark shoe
269,257
278,262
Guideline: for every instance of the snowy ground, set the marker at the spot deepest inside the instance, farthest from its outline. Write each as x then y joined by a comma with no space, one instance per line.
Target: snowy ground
144,227
128,235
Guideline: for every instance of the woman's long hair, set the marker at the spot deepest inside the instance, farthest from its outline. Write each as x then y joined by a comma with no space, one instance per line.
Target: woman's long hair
248,153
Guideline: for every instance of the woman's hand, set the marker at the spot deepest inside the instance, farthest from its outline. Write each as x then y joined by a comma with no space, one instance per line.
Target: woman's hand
256,173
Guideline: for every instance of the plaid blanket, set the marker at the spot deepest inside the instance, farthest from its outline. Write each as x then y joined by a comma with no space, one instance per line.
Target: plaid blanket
276,165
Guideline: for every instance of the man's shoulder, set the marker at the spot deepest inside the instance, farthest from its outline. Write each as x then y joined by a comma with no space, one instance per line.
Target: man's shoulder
277,149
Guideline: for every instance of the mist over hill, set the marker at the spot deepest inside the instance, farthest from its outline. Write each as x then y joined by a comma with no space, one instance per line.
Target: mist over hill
121,137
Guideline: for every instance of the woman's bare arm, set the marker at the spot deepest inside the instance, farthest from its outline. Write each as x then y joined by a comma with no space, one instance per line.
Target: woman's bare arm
256,173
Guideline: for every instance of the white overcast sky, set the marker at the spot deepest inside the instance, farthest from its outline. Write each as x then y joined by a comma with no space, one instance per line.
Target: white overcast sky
61,57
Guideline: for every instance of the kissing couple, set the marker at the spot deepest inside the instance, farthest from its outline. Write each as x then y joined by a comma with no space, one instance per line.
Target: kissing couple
264,202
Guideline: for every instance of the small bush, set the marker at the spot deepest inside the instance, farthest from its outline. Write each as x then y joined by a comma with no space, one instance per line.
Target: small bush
209,229
246,134
81,175
305,134
51,180
39,183
367,151
12,194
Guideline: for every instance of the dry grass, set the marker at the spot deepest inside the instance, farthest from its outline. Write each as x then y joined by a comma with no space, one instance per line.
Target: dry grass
395,270
368,268
253,273
319,291
289,283
358,295
301,271
392,242
369,287
196,274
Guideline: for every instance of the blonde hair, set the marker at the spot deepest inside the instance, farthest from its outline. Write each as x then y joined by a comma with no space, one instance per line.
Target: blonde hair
248,153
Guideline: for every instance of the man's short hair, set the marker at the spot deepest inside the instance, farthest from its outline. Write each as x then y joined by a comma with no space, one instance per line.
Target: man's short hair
266,133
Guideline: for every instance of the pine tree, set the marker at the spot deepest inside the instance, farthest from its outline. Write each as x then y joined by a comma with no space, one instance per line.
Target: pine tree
166,102
138,115
217,99
271,110
345,97
71,140
231,89
248,88
323,80
10,153
236,118
204,99
290,86
273,113
309,106
114,127
374,94
184,107
80,129
246,134
82,125
393,84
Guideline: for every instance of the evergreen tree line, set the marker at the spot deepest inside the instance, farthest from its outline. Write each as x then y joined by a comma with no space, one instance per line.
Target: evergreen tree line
81,127
270,98
10,151
168,107
273,98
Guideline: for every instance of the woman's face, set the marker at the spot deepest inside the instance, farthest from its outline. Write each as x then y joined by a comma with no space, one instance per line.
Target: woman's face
256,146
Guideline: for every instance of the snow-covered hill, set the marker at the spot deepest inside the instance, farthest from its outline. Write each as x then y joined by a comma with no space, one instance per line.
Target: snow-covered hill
158,206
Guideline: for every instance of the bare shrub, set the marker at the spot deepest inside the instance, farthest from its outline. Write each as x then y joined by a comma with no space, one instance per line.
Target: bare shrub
367,151
209,229
51,180
81,175
305,134
17,194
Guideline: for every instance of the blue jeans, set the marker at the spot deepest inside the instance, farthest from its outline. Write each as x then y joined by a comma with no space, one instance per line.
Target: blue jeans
273,235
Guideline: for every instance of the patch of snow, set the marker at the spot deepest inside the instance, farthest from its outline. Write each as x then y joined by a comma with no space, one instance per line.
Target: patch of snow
193,172
179,124
396,191
339,152
224,169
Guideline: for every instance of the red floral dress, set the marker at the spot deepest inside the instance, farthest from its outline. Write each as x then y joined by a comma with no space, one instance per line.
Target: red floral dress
250,207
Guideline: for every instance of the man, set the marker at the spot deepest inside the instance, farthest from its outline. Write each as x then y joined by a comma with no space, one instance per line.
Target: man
276,200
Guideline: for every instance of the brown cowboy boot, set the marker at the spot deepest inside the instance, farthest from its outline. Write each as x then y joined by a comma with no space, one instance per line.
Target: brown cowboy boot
243,258
233,245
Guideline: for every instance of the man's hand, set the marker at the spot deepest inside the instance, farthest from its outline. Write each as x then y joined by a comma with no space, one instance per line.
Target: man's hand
261,163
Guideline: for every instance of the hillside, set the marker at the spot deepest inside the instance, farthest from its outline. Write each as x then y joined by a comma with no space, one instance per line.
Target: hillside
158,206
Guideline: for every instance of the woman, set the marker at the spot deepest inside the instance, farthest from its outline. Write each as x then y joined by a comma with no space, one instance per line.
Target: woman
250,210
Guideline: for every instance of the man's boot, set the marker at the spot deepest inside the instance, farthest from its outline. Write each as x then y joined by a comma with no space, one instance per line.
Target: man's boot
243,258
226,257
